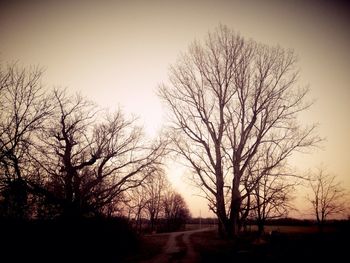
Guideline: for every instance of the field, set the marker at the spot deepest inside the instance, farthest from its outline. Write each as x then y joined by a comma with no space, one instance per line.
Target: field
284,244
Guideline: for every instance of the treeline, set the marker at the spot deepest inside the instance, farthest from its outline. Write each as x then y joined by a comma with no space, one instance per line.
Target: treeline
155,207
63,157
304,222
284,221
204,221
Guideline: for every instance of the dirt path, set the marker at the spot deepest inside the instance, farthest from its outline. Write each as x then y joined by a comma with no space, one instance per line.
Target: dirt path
178,249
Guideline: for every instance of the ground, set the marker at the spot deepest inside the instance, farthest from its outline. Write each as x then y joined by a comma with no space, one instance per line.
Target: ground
168,247
114,241
279,244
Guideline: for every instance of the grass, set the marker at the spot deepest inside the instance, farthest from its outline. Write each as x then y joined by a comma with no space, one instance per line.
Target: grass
293,229
211,248
290,244
189,227
149,247
182,247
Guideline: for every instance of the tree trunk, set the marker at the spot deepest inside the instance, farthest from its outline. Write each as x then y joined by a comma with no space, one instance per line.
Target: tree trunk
224,224
15,196
224,227
261,227
152,219
235,208
235,216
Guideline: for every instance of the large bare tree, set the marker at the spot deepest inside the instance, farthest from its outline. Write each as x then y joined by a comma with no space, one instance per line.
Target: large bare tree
84,162
228,98
24,107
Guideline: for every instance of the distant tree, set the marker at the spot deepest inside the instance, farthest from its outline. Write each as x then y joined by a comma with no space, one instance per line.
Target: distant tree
84,163
268,187
152,200
156,187
328,198
24,107
229,98
115,208
271,199
136,202
176,212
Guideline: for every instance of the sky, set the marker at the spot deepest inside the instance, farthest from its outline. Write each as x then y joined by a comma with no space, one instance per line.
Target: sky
117,53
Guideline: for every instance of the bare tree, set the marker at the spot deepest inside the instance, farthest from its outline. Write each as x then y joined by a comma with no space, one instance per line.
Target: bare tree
229,98
23,109
268,186
176,211
136,203
84,164
328,197
156,201
156,187
271,199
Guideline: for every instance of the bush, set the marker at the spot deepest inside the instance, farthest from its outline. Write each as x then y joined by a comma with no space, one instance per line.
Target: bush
83,240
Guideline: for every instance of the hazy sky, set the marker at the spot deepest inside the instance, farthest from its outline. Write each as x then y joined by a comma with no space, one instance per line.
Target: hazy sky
117,52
